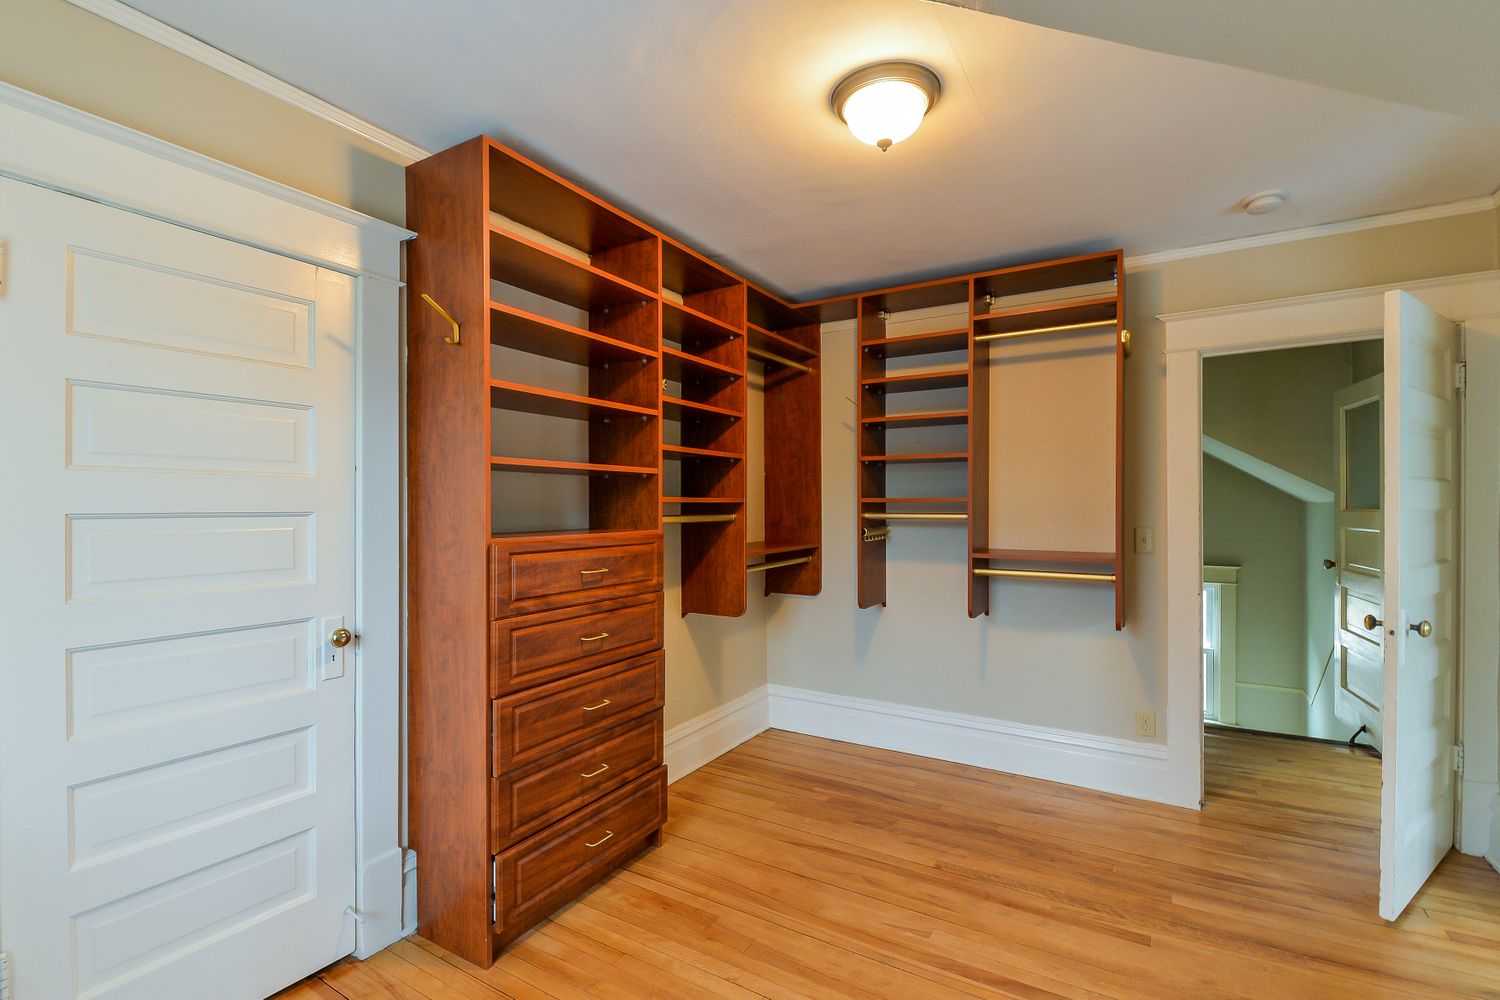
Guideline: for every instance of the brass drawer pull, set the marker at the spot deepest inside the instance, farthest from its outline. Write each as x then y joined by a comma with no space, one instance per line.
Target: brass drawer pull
593,638
591,572
607,835
600,770
591,708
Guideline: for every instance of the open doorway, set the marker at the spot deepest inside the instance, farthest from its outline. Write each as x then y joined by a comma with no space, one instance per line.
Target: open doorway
1291,473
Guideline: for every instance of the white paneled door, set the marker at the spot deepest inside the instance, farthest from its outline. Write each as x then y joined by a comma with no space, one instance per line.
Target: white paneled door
176,728
1418,620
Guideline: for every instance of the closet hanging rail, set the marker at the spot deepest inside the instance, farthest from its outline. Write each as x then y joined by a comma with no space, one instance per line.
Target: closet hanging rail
1045,574
913,516
777,564
696,518
764,355
1039,330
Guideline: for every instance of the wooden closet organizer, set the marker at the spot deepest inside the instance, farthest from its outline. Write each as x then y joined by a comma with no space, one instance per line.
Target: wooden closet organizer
564,361
1074,307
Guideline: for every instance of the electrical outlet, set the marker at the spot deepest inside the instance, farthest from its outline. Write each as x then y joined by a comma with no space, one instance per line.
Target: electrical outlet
1145,541
1145,722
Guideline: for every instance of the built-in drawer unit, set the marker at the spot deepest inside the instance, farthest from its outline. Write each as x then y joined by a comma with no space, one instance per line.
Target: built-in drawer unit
550,645
542,720
539,572
525,801
539,874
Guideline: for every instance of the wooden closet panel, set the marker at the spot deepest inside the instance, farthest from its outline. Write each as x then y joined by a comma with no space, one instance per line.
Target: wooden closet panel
448,435
536,572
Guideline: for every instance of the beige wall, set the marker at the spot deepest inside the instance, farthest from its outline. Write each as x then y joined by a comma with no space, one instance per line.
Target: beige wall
60,51
1048,654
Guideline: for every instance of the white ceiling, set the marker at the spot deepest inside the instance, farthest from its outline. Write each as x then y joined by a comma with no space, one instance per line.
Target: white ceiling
1439,54
711,120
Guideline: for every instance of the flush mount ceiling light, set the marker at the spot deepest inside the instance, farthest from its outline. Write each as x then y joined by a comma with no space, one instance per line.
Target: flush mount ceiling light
1264,201
884,103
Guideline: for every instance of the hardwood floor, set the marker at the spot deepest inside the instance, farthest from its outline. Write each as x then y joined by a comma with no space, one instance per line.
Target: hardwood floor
797,867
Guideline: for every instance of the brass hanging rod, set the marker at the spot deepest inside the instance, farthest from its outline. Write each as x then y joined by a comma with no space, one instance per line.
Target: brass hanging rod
696,518
764,355
898,516
799,560
1038,331
1045,574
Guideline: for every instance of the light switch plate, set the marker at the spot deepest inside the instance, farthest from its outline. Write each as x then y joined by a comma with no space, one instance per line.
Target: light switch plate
1145,541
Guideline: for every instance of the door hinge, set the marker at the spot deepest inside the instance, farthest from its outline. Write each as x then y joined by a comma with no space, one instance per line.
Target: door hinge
4,975
494,895
1458,759
1460,375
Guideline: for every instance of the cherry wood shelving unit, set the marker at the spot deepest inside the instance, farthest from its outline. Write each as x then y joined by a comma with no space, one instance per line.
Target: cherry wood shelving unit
786,341
1047,306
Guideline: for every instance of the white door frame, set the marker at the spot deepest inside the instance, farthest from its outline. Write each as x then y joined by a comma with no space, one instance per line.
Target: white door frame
67,150
1333,317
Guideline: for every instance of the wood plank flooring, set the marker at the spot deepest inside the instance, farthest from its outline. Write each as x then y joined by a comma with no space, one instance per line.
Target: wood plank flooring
798,867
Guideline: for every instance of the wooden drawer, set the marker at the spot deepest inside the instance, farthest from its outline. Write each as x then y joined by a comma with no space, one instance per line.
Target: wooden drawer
525,801
540,874
539,572
554,644
543,720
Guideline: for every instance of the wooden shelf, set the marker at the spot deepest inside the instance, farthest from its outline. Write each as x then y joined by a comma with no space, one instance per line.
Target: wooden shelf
682,324
922,295
960,501
938,342
516,260
674,408
1046,275
540,200
952,379
933,418
676,364
525,331
1046,557
935,456
709,500
770,340
547,402
1100,310
504,463
687,272
756,552
771,312
677,451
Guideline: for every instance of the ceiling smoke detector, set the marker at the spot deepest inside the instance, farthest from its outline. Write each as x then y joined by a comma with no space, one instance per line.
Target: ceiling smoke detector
1264,202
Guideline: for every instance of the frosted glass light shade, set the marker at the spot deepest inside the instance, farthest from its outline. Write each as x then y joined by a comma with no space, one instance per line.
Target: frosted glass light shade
884,104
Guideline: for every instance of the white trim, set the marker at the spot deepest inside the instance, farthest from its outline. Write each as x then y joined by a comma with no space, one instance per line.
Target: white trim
1273,476
1189,337
199,51
57,147
1123,767
1466,206
1227,580
1221,574
1493,854
68,150
696,742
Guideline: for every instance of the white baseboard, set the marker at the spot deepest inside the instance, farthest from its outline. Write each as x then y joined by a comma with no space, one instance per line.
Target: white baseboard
1493,854
1124,767
712,734
380,903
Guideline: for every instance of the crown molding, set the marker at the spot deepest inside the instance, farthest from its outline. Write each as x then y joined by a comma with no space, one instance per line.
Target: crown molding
1467,206
199,51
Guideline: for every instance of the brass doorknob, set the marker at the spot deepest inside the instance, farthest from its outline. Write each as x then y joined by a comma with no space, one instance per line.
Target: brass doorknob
340,637
1372,623
1422,628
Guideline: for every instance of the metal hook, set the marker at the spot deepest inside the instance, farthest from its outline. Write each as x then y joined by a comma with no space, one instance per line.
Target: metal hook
443,313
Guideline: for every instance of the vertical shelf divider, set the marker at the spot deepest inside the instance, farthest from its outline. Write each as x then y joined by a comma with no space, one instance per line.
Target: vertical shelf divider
870,477
979,463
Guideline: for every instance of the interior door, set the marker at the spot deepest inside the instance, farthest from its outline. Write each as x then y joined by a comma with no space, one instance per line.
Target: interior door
1420,625
1358,524
176,730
